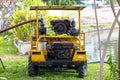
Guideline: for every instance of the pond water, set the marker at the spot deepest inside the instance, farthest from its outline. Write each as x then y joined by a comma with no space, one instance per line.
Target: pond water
92,44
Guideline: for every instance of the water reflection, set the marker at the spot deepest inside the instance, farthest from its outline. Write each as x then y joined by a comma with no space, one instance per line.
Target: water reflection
92,44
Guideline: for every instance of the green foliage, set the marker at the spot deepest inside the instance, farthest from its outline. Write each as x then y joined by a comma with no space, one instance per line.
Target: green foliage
108,2
113,67
59,2
22,13
25,31
34,2
50,31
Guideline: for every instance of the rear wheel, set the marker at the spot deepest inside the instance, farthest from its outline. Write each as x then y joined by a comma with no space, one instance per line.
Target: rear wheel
82,71
32,68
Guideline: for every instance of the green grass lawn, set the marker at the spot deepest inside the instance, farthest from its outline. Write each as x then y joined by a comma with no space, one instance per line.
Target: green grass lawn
7,47
16,69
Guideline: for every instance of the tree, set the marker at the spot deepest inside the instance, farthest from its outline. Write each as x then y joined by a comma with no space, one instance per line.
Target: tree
6,8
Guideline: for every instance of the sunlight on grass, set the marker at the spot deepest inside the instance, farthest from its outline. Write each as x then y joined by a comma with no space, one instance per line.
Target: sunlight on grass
7,47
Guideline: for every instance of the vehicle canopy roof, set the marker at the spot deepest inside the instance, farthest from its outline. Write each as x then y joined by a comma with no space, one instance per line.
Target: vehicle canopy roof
57,7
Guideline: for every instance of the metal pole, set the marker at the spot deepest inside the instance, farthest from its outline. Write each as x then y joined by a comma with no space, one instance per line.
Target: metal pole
79,29
37,25
2,64
37,22
79,20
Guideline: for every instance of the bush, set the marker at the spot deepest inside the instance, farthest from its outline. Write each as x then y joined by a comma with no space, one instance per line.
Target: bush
113,67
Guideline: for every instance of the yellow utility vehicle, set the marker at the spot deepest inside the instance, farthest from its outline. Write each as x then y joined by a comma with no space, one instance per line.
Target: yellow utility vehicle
58,52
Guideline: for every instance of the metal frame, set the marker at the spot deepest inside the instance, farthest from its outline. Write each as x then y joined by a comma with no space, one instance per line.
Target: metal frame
2,64
57,7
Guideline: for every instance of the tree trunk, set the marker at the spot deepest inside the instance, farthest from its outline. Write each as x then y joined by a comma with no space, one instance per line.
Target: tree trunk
118,2
97,25
119,54
119,46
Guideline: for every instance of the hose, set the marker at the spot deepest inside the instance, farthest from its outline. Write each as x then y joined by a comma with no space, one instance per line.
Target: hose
17,25
94,62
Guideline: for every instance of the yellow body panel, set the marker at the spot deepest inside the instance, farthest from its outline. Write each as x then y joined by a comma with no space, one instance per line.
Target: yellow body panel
79,57
38,57
44,52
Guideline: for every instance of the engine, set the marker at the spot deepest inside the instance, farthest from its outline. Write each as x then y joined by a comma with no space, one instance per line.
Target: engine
60,26
64,27
59,50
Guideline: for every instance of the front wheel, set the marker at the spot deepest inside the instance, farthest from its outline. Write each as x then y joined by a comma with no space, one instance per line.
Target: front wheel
32,68
82,71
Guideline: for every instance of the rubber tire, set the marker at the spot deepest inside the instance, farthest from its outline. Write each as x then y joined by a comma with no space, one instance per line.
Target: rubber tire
82,71
32,68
